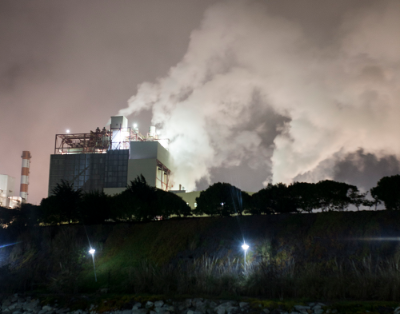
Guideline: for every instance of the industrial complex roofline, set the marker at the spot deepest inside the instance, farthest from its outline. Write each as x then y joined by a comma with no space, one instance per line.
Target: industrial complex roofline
100,141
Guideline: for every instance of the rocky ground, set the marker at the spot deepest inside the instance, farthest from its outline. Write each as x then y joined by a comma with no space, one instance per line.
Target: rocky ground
17,304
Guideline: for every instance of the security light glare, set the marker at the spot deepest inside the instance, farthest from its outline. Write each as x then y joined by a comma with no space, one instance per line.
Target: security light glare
68,131
245,246
135,125
9,244
91,251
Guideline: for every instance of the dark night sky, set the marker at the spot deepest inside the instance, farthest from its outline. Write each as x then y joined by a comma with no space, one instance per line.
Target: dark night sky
73,64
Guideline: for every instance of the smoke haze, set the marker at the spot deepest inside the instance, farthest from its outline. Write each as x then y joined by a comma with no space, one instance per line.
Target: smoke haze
258,90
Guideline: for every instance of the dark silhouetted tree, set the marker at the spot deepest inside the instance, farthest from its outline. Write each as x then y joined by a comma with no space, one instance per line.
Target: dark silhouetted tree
67,201
388,191
357,198
220,199
169,204
304,196
138,201
29,214
261,203
94,207
6,216
275,198
332,195
50,213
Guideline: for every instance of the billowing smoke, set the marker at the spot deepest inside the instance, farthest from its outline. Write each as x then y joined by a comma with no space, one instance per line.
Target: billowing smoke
254,89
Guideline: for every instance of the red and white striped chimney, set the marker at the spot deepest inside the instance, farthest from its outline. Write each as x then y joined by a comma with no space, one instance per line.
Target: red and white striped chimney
26,161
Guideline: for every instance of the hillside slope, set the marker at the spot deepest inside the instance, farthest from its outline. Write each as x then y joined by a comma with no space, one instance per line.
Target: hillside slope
56,258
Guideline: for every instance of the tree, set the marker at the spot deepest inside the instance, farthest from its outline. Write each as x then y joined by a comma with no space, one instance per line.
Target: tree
388,191
66,201
28,215
6,216
275,198
357,198
50,214
261,203
138,201
168,204
220,199
304,195
376,201
94,207
247,202
332,195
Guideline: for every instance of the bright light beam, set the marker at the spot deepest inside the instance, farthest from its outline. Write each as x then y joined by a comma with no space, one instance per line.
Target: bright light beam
245,247
5,245
91,252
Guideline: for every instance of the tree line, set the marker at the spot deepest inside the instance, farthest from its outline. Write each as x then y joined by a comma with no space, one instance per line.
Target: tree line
224,199
141,202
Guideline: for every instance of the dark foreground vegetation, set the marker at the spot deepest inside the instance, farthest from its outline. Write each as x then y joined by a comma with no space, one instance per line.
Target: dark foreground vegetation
141,202
325,256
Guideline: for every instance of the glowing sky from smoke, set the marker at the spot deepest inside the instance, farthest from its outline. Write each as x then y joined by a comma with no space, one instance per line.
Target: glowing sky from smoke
244,63
258,90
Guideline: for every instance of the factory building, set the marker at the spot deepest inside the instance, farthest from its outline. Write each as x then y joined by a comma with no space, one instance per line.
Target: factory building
108,160
6,189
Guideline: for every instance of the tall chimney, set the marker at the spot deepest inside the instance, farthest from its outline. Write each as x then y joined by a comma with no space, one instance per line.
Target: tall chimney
26,160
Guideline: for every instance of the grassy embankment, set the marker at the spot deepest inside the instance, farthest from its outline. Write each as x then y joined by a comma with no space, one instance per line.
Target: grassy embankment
314,256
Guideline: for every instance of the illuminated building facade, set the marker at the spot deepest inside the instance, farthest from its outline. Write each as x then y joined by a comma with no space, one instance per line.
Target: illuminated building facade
107,160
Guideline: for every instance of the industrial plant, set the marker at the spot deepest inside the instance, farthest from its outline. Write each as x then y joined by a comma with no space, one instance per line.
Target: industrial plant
7,197
107,160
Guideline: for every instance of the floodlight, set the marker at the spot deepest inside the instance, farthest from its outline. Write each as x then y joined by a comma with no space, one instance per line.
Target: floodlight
68,131
245,246
91,251
135,125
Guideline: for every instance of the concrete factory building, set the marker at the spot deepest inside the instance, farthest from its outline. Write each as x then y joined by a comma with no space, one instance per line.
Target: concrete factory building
107,160
6,189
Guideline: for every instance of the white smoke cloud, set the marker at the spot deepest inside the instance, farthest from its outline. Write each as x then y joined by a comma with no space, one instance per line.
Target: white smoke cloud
337,98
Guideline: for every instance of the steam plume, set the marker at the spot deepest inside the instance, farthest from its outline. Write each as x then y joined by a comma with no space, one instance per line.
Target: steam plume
246,70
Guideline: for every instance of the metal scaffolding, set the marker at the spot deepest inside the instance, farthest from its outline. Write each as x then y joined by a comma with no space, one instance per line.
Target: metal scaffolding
100,141
82,143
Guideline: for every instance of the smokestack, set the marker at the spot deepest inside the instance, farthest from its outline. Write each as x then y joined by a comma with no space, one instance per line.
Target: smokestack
152,131
26,160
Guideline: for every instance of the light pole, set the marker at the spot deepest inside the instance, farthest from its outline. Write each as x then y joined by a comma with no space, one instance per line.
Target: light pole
92,251
245,247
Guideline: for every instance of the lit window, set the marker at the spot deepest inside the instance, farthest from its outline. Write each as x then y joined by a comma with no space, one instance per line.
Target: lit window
195,205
